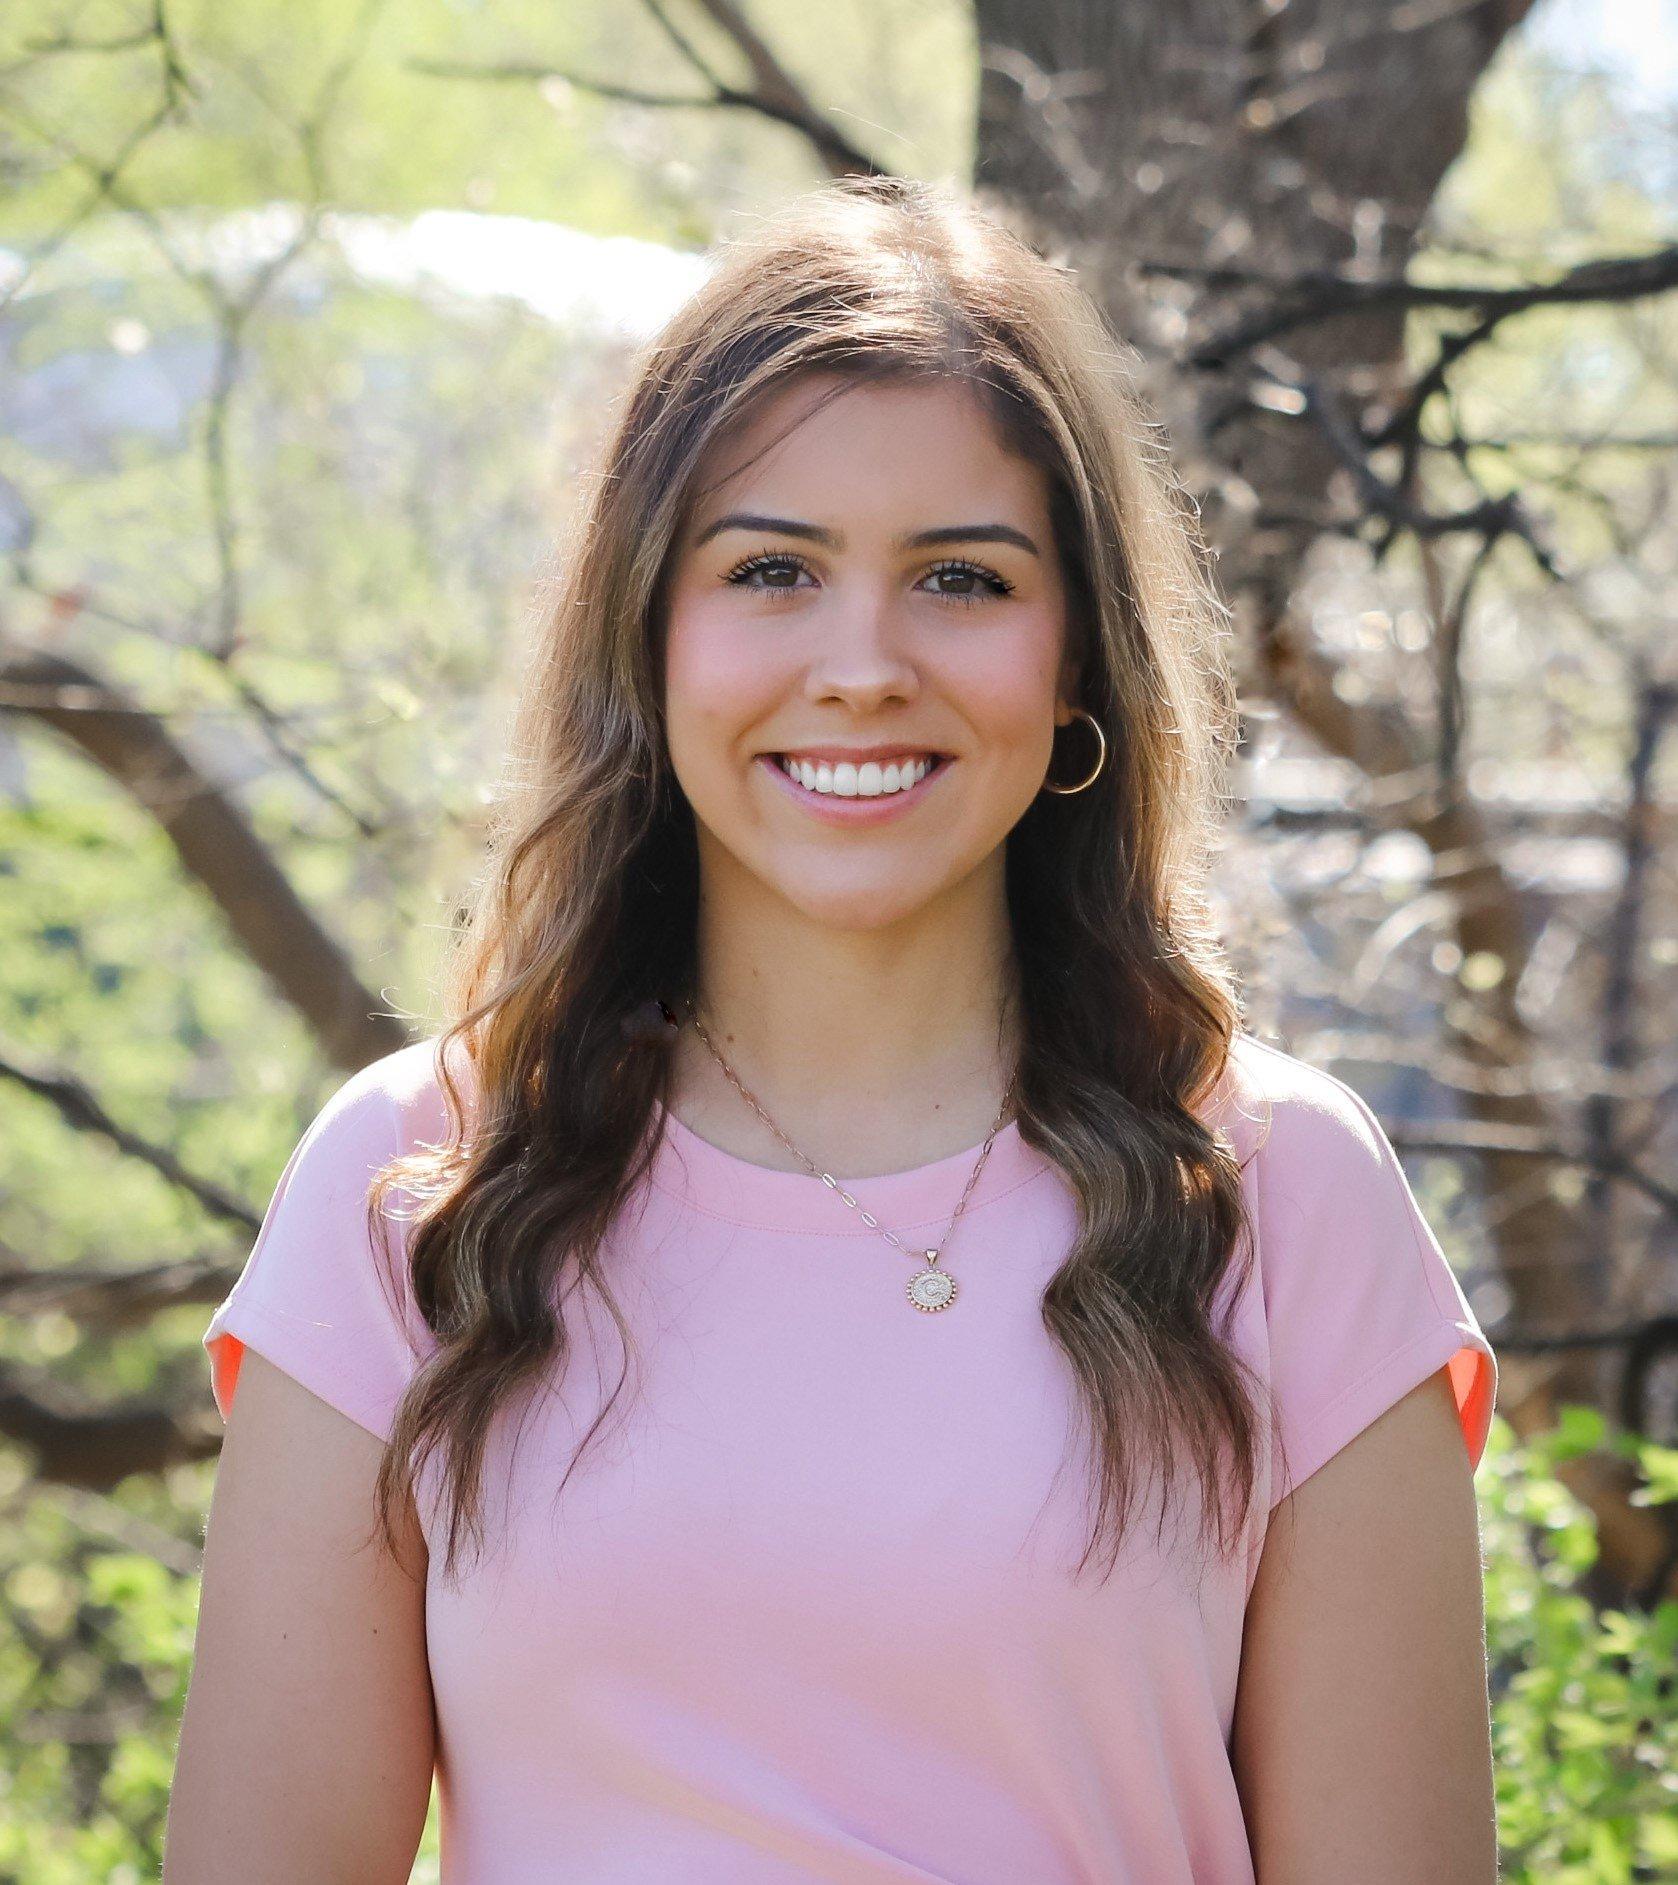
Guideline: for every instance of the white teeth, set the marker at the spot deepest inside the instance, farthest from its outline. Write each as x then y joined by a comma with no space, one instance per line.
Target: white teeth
845,780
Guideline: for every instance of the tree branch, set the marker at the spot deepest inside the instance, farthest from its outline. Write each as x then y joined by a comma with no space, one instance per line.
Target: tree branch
1310,296
217,846
95,1448
78,1108
774,93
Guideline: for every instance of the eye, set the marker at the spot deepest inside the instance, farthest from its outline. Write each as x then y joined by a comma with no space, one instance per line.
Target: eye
964,571
767,560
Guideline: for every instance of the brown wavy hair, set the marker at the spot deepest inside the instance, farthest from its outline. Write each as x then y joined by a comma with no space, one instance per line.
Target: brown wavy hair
585,908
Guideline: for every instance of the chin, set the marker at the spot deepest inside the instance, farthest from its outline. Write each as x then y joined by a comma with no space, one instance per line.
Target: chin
862,908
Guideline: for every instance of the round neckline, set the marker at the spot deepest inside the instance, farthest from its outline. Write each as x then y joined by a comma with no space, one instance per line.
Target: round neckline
719,1183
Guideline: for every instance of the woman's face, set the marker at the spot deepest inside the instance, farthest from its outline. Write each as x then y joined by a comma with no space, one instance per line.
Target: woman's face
878,588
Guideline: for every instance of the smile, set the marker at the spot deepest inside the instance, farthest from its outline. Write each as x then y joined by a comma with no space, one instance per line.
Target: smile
867,781
847,794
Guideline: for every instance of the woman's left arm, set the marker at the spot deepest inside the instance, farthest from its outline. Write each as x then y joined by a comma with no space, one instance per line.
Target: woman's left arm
1362,1735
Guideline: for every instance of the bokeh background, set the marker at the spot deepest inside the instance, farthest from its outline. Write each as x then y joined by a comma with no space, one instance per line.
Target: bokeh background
310,314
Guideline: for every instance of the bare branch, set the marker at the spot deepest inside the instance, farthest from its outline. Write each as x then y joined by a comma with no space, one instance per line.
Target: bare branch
778,95
114,1299
774,94
216,845
1281,387
95,1448
77,1106
1309,297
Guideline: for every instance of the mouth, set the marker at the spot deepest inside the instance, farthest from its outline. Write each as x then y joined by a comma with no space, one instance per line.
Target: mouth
853,779
847,793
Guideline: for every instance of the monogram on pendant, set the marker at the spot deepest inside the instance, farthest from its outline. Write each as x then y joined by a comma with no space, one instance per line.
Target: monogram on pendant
932,1288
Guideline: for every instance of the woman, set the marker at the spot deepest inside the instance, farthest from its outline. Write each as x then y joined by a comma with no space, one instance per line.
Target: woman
656,1392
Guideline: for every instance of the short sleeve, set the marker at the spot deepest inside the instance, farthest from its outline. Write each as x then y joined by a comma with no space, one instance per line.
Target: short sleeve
1361,1303
318,1296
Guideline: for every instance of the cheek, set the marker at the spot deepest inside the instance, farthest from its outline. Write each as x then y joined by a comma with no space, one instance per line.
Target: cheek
1004,685
721,675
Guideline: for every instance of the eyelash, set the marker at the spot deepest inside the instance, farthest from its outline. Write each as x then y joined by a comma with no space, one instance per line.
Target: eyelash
953,566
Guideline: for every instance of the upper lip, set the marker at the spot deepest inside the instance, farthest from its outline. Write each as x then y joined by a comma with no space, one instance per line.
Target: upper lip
858,754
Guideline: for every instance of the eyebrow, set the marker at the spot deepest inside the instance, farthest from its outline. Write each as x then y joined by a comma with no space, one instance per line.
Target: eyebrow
832,540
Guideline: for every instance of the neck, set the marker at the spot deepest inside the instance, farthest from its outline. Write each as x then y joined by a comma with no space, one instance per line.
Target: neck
874,1049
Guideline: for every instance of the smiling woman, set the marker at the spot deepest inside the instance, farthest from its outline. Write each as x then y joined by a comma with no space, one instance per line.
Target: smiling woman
845,913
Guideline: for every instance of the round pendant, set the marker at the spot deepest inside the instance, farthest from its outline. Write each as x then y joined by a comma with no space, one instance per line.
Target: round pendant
932,1289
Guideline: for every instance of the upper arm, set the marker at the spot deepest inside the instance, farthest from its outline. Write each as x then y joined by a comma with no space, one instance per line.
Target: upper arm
308,1736
1362,1742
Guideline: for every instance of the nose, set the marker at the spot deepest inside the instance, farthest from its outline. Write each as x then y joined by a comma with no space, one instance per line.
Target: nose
862,657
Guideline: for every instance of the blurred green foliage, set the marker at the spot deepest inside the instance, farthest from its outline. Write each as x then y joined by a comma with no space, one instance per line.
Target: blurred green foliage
1584,1702
898,74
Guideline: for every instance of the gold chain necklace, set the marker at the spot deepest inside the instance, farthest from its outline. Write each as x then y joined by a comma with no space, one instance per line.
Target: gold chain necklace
930,1289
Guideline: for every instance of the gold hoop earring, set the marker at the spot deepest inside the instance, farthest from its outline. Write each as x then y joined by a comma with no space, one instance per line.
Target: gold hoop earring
1100,761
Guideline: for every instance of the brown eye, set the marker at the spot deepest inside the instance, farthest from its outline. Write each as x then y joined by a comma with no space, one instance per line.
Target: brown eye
773,563
991,584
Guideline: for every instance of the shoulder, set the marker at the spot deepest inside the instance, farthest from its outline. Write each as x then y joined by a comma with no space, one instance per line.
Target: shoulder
389,1106
326,1292
1299,1121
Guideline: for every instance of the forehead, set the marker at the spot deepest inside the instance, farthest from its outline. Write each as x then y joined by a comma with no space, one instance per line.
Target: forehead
831,444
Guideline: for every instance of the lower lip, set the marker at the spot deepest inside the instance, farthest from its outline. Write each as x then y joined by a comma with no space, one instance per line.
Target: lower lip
834,810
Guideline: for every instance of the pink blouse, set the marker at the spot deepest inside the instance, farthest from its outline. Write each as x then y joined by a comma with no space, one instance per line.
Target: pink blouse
805,1610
